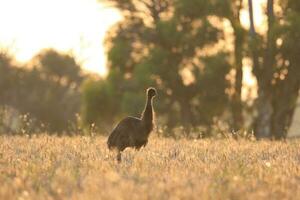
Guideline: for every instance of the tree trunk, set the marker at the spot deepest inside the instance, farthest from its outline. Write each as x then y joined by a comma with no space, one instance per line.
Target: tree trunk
253,42
186,114
237,110
262,128
284,107
264,74
237,106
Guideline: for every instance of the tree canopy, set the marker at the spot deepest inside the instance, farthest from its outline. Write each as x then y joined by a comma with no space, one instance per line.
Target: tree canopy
176,46
46,89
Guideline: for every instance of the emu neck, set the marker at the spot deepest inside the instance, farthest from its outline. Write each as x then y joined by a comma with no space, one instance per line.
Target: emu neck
147,115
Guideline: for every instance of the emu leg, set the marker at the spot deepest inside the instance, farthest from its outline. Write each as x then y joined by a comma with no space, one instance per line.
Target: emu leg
119,159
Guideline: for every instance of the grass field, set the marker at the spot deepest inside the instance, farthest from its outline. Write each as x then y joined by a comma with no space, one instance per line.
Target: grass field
80,167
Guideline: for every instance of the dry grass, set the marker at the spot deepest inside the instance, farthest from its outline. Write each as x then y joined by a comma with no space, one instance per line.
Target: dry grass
82,168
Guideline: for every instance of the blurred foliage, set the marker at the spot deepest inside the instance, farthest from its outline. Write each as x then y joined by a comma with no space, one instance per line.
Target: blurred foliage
174,45
46,89
275,55
158,44
192,51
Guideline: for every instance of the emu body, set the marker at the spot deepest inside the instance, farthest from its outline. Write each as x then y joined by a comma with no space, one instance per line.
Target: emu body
131,131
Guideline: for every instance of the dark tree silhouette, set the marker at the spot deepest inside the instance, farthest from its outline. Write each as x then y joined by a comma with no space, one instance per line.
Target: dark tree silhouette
132,131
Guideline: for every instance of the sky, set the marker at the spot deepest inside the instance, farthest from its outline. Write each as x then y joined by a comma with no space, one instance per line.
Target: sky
76,26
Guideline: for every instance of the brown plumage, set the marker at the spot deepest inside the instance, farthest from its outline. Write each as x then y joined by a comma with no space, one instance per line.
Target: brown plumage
132,131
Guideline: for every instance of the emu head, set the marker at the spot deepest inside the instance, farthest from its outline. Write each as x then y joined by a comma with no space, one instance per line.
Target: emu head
151,92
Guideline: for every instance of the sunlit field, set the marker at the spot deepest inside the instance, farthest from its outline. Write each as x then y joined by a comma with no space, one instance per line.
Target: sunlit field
48,167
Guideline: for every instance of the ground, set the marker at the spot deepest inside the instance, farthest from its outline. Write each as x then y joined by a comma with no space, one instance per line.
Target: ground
48,167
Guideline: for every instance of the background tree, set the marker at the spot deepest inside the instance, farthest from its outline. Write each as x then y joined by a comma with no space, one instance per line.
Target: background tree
191,51
157,45
47,89
276,68
6,74
226,10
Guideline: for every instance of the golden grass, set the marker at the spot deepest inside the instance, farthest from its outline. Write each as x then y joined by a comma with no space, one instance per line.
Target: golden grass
48,167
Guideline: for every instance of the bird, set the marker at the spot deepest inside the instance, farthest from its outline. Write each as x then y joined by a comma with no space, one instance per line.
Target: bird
132,131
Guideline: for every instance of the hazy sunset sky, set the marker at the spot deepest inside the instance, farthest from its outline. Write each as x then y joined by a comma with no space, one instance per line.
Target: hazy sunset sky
66,25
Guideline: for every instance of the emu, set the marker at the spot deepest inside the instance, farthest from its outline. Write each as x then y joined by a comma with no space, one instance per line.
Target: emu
131,131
